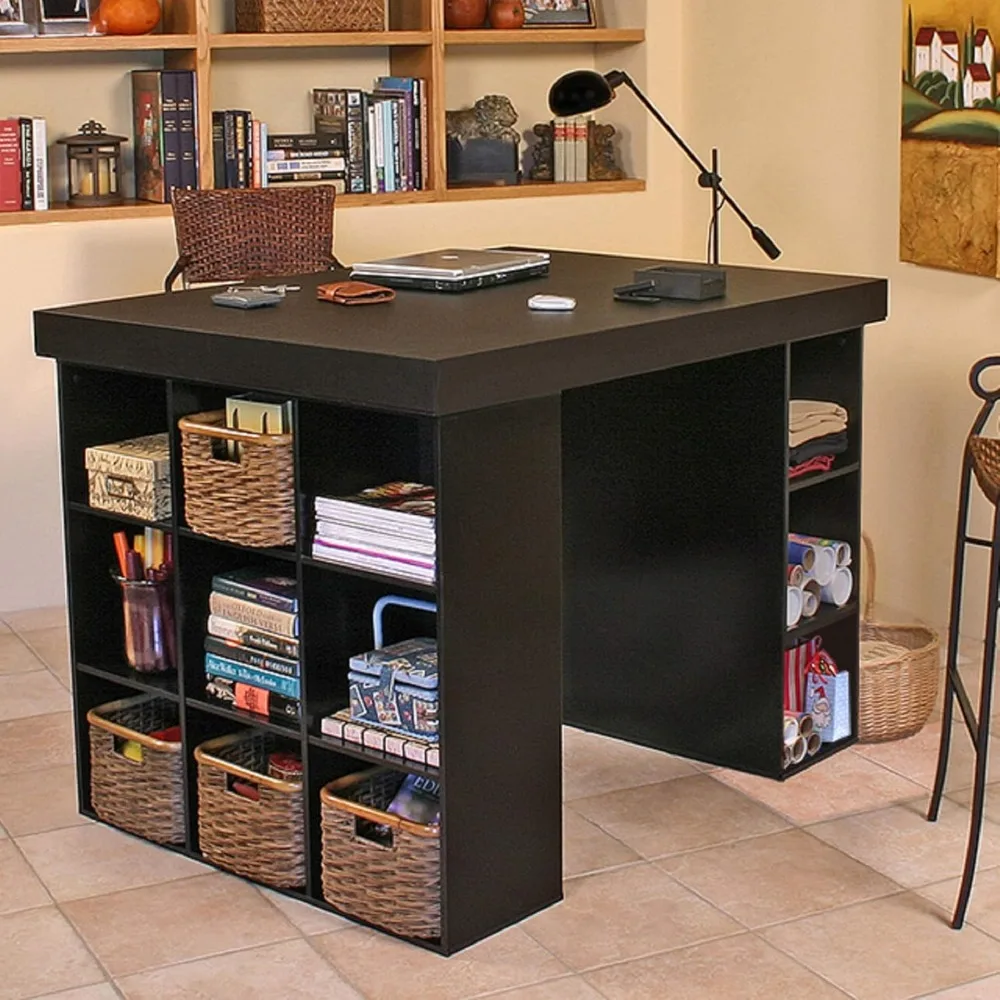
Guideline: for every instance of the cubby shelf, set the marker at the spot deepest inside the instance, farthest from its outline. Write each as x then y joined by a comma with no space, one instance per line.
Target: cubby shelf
825,751
121,673
286,554
373,757
12,45
290,729
544,189
547,36
794,485
111,515
63,213
389,581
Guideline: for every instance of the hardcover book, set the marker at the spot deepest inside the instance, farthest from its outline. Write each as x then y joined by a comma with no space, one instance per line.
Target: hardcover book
287,687
148,134
253,638
233,694
230,650
248,613
278,592
340,726
10,165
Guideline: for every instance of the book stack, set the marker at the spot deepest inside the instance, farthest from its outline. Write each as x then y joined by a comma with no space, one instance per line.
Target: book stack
166,132
385,529
569,148
252,648
24,165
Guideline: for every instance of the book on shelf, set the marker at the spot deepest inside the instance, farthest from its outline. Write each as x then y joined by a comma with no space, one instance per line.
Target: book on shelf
373,561
165,132
340,726
234,694
243,612
570,144
267,590
287,687
389,506
229,650
251,637
396,543
24,165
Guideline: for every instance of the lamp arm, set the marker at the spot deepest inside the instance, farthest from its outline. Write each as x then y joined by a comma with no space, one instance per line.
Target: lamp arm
617,77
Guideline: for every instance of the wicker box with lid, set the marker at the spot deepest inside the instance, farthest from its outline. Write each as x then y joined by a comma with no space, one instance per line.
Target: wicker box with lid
131,477
310,15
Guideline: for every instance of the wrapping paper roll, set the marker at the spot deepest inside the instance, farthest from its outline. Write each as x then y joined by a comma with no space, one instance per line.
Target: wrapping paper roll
791,730
838,591
805,723
799,749
786,757
810,598
813,743
803,555
796,575
841,550
793,606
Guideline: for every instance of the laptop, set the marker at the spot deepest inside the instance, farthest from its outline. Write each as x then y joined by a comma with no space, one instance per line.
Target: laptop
454,270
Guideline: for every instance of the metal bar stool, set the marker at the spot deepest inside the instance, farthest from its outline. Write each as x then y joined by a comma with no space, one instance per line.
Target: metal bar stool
982,460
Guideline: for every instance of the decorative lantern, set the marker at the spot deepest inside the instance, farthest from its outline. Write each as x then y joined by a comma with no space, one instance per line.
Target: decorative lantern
94,167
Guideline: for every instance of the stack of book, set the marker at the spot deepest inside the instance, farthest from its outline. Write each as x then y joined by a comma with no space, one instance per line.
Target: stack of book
252,648
385,529
165,128
570,149
24,165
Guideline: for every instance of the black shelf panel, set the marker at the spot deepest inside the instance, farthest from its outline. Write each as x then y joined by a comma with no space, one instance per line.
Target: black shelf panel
427,588
794,485
111,515
374,757
290,730
121,673
826,616
288,554
825,751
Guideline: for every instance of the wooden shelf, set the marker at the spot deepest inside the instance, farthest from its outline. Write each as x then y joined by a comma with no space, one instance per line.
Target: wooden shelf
164,684
392,198
824,618
543,189
61,213
325,39
370,756
814,479
110,515
547,36
95,43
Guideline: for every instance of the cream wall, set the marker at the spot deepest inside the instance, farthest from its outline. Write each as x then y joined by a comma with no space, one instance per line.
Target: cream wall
55,264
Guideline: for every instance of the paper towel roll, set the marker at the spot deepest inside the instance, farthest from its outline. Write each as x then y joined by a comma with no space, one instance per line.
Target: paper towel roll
799,750
810,598
806,724
791,730
793,606
796,575
813,743
838,590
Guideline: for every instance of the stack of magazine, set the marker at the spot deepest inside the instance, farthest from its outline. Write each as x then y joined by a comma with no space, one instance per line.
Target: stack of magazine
387,529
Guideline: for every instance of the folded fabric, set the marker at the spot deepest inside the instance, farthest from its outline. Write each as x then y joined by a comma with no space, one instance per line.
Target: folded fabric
821,463
829,444
813,418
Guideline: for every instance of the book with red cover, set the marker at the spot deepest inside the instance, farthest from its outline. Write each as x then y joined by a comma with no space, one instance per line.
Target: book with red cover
150,156
10,165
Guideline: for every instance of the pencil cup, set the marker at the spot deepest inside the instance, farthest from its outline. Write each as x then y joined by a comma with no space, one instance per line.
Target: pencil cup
149,641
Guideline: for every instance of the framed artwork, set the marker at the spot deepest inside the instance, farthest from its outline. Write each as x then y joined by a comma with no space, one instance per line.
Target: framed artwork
18,17
560,13
63,17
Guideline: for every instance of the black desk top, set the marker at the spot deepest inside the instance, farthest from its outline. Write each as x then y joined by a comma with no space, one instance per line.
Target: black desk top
436,353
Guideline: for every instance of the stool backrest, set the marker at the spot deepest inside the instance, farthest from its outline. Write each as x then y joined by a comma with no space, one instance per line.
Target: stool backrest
236,234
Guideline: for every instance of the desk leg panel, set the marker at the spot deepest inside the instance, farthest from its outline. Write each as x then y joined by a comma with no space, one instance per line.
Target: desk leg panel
499,634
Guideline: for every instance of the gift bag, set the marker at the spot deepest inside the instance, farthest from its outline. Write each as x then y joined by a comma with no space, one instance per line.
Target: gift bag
828,697
797,659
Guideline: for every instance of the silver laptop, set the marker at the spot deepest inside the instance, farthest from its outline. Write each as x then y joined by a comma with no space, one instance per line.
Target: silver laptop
454,270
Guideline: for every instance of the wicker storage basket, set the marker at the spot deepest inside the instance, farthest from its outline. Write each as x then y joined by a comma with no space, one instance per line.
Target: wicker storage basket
310,15
264,839
378,866
900,671
142,793
249,501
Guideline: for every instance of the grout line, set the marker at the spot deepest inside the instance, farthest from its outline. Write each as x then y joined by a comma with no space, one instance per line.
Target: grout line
332,965
802,965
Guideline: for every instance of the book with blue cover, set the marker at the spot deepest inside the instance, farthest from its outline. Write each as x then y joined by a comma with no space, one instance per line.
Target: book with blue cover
287,687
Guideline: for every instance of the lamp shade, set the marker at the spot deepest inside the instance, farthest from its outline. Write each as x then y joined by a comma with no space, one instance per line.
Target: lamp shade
578,92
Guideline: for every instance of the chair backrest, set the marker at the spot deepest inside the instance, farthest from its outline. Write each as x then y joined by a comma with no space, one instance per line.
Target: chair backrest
236,234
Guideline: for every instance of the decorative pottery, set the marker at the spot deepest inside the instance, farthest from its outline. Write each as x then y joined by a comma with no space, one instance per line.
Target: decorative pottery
127,17
465,13
507,14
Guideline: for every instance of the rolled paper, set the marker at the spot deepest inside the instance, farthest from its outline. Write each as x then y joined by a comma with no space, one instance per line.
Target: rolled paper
810,598
813,743
796,575
838,590
803,555
806,724
799,750
841,550
793,607
791,730
786,757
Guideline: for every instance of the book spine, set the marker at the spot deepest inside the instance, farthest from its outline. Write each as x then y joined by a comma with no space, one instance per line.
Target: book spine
255,174
265,598
251,657
253,638
330,115
248,613
304,155
287,687
171,132
260,701
263,154
311,164
308,177
580,148
188,127
406,140
395,138
425,153
324,145
380,168
559,149
40,175
371,144
416,109
229,137
10,165
356,160
27,166
147,123
219,149
242,157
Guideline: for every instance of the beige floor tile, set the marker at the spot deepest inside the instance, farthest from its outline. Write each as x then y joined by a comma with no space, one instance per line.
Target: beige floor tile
37,693
839,786
52,646
888,949
287,971
19,888
593,765
101,991
37,742
736,968
93,860
984,906
571,988
679,815
586,847
16,657
900,843
619,915
378,965
984,989
40,953
36,618
780,877
184,920
308,919
36,801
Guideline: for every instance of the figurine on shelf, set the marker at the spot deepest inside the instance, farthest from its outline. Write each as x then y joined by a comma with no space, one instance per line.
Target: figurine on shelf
602,161
491,117
540,152
483,146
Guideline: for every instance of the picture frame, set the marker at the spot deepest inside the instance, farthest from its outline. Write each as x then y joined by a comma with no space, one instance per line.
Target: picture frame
18,17
560,13
64,17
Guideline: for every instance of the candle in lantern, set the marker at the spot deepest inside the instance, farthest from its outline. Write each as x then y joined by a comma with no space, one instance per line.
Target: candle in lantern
103,177
86,185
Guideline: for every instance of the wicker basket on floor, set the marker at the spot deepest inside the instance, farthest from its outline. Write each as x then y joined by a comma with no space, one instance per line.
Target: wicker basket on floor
900,671
143,792
249,500
310,15
378,866
262,839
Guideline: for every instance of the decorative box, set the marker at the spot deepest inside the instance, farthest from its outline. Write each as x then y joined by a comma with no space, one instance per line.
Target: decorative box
395,688
828,700
131,477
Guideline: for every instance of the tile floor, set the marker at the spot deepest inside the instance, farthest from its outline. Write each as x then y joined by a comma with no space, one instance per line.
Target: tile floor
682,883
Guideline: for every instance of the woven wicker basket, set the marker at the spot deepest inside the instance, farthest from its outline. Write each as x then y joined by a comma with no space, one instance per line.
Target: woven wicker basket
310,15
146,796
900,671
249,501
265,839
392,881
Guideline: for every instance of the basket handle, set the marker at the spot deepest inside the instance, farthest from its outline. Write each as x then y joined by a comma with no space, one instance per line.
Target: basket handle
264,780
867,577
370,813
202,425
130,734
402,602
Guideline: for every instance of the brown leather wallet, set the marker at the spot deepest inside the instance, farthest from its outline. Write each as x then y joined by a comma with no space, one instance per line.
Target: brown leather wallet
354,293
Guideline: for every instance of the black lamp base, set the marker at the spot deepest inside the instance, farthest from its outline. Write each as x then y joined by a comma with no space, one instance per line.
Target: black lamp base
674,281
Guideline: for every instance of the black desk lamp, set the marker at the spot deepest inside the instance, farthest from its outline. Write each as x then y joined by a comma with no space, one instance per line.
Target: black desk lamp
586,90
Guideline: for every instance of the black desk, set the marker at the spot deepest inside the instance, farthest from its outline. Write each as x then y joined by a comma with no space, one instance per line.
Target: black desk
613,498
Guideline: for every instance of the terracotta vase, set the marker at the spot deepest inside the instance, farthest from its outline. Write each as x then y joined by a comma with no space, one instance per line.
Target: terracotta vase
465,13
506,14
127,17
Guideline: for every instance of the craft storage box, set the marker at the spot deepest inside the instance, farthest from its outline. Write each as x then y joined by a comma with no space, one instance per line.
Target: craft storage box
249,822
310,15
239,486
378,866
131,477
137,779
